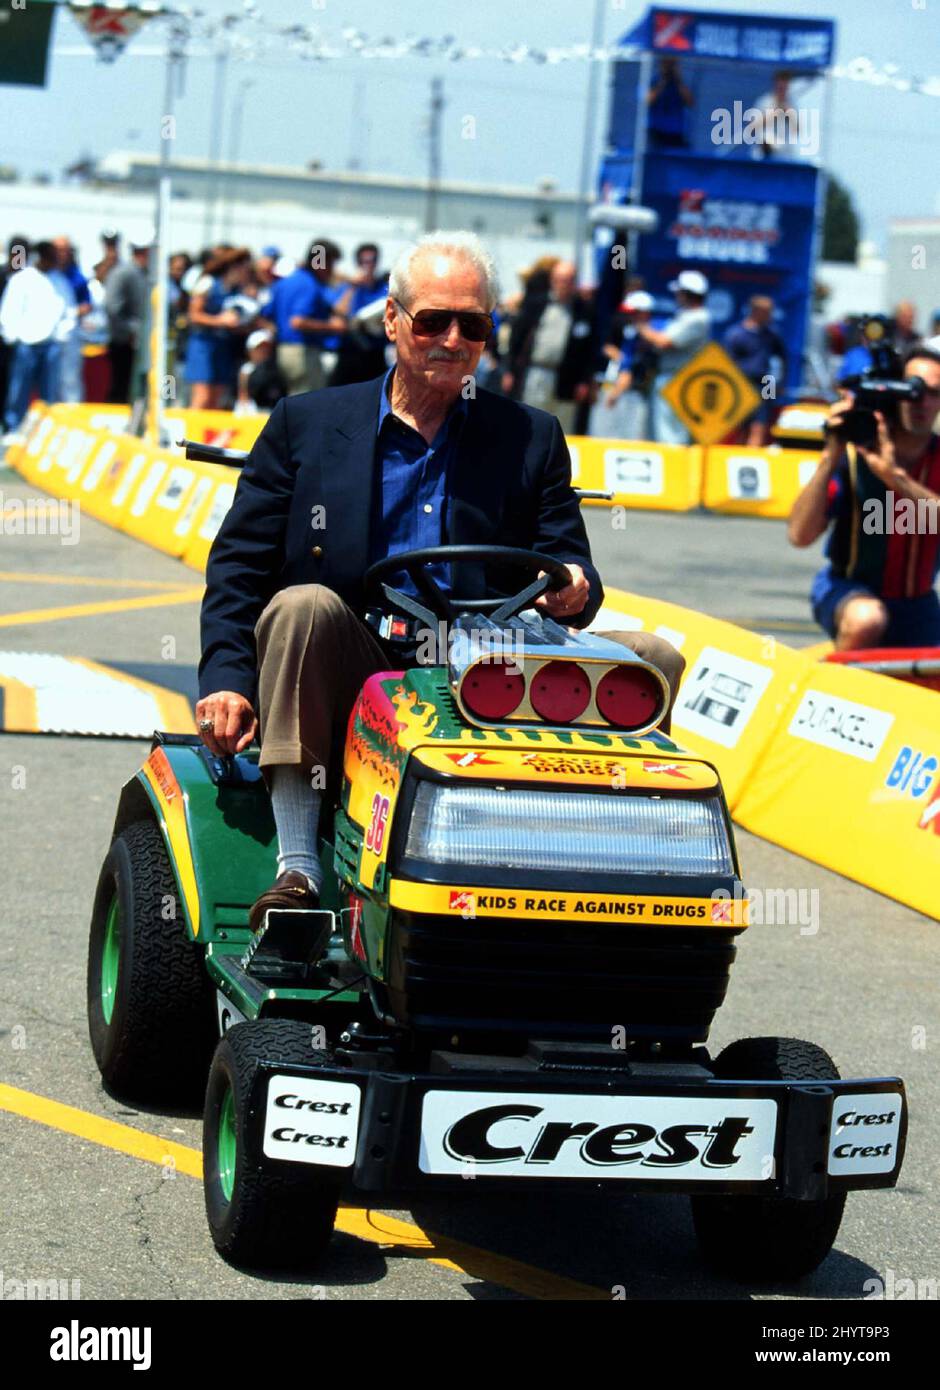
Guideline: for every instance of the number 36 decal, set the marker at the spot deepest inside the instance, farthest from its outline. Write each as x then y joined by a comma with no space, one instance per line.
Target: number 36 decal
375,835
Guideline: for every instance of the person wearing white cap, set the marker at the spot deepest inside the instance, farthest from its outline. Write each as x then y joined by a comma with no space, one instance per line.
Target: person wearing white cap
677,343
260,382
622,411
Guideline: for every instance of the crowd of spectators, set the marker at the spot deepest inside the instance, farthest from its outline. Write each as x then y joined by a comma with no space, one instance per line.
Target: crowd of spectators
246,328
242,329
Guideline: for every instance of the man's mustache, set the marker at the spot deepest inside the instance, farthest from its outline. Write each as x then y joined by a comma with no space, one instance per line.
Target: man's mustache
445,355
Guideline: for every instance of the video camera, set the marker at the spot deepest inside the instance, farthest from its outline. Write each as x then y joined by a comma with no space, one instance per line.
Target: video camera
880,387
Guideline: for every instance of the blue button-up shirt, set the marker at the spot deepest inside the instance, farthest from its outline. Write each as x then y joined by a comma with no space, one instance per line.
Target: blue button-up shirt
300,295
412,492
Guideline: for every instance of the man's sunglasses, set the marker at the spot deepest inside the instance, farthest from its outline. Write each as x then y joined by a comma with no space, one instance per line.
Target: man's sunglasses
431,323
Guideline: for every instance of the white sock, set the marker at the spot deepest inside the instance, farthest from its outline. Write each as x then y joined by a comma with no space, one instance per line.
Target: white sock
296,807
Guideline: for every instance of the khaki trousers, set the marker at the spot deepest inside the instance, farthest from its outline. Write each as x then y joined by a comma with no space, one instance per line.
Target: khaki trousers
314,654
300,367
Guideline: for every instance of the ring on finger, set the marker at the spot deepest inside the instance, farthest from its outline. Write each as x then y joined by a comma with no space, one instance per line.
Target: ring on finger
206,724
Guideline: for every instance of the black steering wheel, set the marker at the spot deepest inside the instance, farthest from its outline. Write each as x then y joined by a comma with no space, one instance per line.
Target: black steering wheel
415,564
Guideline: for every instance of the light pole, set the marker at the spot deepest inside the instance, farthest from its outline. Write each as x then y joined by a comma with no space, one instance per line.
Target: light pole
235,137
434,154
587,147
215,140
175,57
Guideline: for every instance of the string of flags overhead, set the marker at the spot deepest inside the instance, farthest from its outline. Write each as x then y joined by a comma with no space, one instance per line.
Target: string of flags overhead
249,34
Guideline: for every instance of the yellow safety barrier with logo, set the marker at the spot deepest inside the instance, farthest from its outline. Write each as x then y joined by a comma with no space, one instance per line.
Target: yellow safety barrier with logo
755,482
221,427
851,779
735,687
219,484
68,443
661,477
158,496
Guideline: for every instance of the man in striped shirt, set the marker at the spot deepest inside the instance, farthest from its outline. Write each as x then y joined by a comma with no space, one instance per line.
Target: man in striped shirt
881,506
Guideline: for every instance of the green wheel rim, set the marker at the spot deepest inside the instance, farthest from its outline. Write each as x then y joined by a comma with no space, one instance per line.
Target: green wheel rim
227,1147
110,960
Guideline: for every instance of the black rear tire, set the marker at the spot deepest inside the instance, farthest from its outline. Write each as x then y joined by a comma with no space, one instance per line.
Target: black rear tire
266,1219
156,1044
769,1238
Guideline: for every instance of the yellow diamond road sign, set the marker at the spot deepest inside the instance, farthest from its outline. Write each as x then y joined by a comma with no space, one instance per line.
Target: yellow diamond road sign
710,395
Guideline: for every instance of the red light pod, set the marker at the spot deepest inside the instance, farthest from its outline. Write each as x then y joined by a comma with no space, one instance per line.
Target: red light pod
493,689
559,691
629,697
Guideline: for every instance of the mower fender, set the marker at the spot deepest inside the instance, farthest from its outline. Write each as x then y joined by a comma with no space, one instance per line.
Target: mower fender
218,830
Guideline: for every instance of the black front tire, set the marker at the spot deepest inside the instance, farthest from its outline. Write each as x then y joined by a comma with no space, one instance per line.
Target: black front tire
769,1238
259,1218
157,1041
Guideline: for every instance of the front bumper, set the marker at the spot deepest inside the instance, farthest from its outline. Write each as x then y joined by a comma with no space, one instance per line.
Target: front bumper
382,1130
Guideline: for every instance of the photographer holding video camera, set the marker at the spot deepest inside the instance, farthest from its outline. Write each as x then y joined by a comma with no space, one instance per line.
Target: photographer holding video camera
877,491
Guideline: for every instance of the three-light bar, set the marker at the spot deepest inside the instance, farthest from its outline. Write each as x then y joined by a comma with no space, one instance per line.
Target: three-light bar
539,674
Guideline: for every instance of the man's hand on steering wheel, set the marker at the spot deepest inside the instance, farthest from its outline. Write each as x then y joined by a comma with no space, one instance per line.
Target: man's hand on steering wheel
226,722
567,602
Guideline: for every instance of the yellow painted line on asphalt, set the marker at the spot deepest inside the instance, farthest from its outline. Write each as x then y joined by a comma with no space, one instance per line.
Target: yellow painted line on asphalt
96,581
176,714
470,1259
373,1226
91,610
20,708
108,1133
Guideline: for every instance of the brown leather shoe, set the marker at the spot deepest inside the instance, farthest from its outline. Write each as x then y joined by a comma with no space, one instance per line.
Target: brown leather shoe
291,890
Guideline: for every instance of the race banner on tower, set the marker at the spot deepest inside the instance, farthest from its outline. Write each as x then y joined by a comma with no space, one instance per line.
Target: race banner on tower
748,226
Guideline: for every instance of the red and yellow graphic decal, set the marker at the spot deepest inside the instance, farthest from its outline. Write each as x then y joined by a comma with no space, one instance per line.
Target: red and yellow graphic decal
594,769
930,816
171,800
536,903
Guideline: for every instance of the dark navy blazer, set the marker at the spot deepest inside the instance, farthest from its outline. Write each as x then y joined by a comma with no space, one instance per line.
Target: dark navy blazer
304,499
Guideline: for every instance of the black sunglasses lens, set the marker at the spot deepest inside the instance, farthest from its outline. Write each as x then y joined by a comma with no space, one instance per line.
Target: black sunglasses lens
475,327
429,323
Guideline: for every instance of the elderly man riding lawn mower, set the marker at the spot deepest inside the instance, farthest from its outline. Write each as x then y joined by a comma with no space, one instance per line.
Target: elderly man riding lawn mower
506,903
341,481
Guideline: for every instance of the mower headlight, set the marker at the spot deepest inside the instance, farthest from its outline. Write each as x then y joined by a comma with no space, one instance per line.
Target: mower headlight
578,831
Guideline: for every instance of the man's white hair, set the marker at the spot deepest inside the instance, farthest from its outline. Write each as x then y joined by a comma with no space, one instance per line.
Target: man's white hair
466,245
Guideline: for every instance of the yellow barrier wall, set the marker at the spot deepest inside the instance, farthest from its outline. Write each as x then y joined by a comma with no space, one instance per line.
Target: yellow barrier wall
159,497
851,779
661,477
755,482
219,427
736,685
